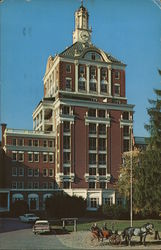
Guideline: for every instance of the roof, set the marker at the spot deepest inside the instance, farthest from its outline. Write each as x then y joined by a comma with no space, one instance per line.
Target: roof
78,49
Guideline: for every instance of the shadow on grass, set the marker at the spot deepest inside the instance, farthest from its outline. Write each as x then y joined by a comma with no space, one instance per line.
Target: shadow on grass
60,231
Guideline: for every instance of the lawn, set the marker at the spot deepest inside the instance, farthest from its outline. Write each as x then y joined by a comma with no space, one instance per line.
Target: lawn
84,225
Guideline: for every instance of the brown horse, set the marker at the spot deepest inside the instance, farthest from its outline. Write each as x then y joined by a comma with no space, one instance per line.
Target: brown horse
102,234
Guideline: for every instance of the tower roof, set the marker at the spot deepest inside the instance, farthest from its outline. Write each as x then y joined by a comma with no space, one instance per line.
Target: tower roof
78,50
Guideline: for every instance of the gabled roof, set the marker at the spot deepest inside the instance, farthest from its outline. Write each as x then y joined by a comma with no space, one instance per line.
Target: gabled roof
78,49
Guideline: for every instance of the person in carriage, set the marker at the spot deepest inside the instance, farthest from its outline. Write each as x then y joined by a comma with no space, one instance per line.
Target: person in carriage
95,228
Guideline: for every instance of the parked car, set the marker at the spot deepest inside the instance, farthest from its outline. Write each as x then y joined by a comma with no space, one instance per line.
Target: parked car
29,218
41,226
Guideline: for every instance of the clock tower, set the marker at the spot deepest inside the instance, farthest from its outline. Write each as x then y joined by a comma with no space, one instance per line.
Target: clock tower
82,32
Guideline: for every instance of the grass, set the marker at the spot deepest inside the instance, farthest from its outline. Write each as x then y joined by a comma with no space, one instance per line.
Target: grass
85,225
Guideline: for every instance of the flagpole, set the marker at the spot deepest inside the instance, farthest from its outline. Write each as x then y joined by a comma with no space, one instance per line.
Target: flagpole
131,187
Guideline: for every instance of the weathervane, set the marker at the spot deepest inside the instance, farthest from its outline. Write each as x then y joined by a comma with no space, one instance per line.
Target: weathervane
81,2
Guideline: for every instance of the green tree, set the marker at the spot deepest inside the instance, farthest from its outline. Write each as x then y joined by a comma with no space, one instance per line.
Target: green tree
148,186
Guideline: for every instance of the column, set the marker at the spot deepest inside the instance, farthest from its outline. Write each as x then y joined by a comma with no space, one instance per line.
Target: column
87,78
109,78
76,76
99,80
8,201
43,121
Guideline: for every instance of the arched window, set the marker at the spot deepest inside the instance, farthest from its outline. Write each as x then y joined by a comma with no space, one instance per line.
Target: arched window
16,197
92,84
82,84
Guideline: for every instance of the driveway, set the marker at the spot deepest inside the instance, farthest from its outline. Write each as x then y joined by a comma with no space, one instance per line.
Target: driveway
17,235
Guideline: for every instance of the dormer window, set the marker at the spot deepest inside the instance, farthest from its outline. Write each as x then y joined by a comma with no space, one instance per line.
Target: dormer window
93,57
68,68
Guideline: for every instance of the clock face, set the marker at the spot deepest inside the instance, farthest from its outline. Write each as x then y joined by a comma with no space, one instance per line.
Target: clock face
84,35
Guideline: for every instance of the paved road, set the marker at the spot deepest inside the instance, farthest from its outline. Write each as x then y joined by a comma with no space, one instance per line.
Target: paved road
13,235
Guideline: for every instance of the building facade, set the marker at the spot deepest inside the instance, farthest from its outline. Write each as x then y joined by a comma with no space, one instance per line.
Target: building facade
81,127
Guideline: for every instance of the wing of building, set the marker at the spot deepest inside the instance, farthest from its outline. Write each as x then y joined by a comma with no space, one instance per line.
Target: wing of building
82,126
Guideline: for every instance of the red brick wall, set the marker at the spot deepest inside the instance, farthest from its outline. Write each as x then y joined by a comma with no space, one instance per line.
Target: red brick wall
63,74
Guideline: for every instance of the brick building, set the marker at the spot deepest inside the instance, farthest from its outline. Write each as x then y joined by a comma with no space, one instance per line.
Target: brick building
81,127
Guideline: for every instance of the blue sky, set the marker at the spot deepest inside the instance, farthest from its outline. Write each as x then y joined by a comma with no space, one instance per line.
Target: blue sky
31,30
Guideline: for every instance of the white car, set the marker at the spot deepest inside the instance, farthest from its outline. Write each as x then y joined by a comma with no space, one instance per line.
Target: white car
41,226
29,218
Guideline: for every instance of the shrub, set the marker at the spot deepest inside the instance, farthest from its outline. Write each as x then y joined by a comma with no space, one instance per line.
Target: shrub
19,207
114,211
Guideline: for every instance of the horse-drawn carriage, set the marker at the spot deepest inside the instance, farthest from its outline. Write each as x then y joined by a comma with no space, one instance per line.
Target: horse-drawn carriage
116,239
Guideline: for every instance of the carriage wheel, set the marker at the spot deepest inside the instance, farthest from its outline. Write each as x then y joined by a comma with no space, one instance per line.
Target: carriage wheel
115,239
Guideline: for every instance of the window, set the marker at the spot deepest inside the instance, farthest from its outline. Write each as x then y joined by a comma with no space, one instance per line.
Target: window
21,171
20,142
81,69
102,171
30,184
94,202
91,184
126,131
102,129
45,157
66,157
51,185
92,128
66,171
116,89
82,84
36,157
30,157
93,57
50,144
51,172
126,115
44,185
51,157
30,142
92,143
44,143
45,172
35,143
66,126
93,71
14,171
117,75
65,110
66,142
20,156
36,172
66,184
126,145
14,185
104,86
92,158
68,68
30,172
20,184
102,144
92,85
101,113
36,185
68,83
102,159
108,201
103,73
14,142
14,156
92,112
102,184
92,171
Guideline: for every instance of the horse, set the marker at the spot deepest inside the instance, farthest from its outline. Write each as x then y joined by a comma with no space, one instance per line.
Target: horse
101,234
137,231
